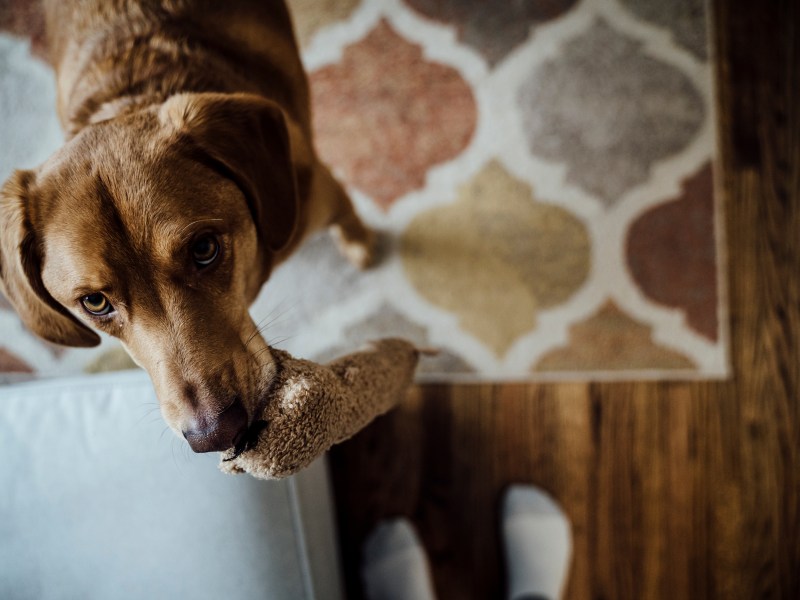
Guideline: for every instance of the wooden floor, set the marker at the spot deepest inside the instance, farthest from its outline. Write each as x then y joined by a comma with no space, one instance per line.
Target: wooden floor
675,490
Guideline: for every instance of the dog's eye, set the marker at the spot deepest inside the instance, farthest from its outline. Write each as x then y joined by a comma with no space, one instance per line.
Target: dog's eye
205,250
97,304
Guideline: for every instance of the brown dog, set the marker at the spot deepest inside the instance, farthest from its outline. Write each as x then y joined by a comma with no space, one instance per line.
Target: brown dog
188,174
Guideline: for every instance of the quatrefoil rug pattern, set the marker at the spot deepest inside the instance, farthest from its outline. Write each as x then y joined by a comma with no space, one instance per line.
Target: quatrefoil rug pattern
541,175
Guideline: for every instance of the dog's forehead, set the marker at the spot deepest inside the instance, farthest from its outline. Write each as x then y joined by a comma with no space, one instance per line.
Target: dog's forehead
100,183
112,206
115,226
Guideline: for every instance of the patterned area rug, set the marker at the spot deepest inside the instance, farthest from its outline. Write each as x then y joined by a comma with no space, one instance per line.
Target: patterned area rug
541,174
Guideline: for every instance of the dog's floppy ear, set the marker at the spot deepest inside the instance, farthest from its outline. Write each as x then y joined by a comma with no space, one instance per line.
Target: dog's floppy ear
245,137
20,271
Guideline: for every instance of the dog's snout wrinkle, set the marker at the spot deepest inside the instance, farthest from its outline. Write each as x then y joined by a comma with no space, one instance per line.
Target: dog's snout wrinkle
190,393
217,433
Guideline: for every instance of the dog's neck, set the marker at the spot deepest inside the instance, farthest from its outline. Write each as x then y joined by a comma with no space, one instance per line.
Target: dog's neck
143,70
126,66
121,106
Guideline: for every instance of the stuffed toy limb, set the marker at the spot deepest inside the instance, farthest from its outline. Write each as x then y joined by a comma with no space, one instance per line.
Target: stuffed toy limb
311,407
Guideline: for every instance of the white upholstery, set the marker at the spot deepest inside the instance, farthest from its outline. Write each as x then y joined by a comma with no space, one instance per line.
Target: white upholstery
97,500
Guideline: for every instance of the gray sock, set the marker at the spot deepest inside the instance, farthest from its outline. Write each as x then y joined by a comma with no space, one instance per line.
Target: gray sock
394,565
538,544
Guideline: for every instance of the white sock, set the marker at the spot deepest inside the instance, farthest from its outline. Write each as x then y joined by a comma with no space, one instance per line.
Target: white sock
538,544
394,565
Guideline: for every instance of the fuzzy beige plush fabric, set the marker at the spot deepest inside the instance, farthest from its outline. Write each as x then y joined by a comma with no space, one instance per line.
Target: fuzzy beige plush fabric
311,407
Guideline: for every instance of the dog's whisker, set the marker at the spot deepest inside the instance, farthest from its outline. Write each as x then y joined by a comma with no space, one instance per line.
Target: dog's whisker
276,321
272,319
278,341
255,331
253,336
261,351
174,460
260,368
268,315
150,421
182,447
151,410
262,327
196,222
145,415
283,312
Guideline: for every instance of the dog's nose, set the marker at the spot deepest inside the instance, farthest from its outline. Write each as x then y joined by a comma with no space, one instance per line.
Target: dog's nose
221,433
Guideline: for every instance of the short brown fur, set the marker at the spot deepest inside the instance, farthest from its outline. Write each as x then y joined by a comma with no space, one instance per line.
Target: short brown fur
184,118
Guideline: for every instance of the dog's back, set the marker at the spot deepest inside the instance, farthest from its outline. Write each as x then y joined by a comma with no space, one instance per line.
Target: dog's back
108,54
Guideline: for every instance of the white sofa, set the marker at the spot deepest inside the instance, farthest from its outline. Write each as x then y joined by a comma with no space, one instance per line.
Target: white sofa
97,500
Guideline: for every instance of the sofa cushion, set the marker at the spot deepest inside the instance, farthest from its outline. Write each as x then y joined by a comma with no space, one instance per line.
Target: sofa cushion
99,500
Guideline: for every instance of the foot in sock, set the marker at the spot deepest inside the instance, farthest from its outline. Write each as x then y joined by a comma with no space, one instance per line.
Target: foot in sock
538,544
394,565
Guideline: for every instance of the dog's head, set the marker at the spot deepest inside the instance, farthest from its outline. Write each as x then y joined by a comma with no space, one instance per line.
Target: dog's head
159,228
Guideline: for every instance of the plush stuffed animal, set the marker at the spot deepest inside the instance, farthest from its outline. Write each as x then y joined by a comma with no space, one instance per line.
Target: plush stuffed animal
311,407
